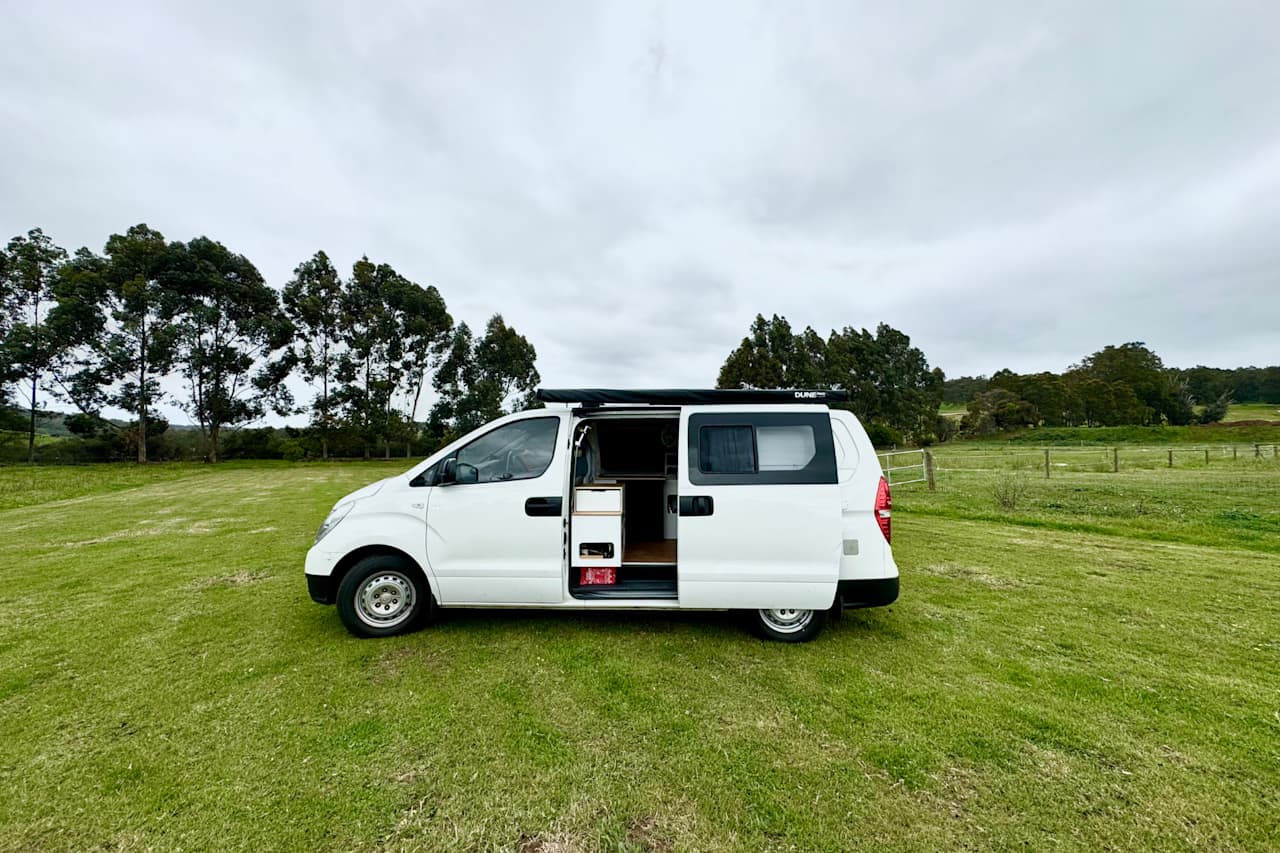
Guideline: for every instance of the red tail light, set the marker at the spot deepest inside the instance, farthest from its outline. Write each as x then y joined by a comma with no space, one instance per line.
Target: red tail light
884,507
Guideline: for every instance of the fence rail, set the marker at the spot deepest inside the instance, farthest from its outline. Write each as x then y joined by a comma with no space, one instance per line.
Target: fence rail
925,468
906,467
1113,458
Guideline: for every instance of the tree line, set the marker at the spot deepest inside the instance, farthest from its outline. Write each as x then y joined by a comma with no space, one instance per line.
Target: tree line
1115,386
121,328
893,391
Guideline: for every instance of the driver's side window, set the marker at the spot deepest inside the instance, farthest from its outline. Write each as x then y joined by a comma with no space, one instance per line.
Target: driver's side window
517,451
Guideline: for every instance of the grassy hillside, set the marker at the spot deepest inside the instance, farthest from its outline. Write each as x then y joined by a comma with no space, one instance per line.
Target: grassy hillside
1079,673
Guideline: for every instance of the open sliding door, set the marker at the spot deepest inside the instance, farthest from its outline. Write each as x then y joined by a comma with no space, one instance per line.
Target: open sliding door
759,502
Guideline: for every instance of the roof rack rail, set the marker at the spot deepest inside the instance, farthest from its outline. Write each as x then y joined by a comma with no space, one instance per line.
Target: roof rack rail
689,396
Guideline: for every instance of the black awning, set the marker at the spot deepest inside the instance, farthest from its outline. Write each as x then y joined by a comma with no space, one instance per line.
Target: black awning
687,396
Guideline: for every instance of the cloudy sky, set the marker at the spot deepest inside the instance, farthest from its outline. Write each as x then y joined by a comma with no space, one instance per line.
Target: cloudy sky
1012,184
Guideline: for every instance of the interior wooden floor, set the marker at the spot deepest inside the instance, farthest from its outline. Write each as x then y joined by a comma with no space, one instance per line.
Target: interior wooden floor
662,551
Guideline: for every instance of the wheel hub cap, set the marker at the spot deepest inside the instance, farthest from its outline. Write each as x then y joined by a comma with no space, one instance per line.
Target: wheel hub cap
385,600
787,620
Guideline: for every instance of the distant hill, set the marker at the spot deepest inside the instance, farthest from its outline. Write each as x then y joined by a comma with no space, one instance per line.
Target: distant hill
54,424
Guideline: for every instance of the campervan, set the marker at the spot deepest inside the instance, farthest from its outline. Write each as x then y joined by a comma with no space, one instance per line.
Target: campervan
769,502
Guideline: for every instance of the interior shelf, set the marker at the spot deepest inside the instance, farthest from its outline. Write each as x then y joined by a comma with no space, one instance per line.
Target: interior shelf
661,552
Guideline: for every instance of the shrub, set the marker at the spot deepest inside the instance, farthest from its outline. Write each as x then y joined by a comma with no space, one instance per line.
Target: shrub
945,428
1217,410
1009,491
883,435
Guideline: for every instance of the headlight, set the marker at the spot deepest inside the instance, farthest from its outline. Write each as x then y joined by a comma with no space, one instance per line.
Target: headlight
331,522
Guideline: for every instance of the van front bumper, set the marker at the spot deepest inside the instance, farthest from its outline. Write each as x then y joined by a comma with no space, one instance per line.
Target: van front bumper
320,588
866,592
319,569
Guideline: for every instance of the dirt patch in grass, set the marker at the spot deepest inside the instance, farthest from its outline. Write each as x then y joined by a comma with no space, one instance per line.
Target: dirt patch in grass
644,833
244,577
970,573
392,663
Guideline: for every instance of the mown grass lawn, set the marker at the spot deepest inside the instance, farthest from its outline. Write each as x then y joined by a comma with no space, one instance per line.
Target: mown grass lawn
165,683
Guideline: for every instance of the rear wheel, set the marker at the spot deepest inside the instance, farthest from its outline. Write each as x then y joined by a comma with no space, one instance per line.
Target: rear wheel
788,625
384,595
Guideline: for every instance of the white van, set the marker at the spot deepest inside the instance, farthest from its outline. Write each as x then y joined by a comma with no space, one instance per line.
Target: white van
766,502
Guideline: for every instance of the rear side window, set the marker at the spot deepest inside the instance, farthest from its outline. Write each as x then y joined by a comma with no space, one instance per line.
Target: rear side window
785,448
761,448
726,450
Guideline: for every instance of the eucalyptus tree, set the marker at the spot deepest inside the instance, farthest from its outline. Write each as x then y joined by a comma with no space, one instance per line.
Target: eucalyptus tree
231,338
136,348
888,379
6,321
772,356
507,363
455,375
369,367
479,380
313,302
79,376
424,325
30,345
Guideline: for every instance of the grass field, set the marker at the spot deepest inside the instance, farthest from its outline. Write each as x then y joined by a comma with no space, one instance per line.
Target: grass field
1253,412
1236,412
1095,668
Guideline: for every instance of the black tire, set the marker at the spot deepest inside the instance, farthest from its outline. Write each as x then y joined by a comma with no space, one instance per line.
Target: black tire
787,626
384,595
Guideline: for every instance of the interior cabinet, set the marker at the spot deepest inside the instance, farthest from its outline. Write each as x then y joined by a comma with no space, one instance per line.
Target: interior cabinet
597,527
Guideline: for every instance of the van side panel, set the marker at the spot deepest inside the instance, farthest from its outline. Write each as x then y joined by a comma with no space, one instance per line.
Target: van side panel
764,540
865,554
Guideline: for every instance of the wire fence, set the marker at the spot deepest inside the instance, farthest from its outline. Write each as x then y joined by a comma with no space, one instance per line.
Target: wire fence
1101,459
907,467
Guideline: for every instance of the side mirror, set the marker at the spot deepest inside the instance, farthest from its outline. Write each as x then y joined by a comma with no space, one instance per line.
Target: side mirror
453,472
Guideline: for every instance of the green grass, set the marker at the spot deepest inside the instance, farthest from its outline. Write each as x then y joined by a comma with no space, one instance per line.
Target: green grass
1194,434
1227,503
1224,433
1054,677
1253,412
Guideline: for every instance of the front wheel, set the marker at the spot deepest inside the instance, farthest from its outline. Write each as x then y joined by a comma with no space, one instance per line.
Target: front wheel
788,625
382,596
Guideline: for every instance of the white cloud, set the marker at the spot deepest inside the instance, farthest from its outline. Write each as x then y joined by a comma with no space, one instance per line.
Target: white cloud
1012,186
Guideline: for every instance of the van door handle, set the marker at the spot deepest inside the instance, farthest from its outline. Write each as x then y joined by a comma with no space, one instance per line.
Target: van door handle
543,506
697,505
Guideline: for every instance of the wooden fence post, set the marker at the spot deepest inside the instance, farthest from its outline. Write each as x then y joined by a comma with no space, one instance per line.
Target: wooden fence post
1046,463
1115,460
1234,457
1206,456
928,471
1257,451
1170,458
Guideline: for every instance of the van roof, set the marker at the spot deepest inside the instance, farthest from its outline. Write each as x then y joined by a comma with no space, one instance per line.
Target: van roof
688,396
